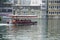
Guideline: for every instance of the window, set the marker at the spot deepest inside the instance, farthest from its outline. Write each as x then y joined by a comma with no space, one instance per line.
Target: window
57,7
9,10
51,1
59,12
49,12
3,10
51,6
43,1
1,5
55,12
52,12
43,6
58,1
55,1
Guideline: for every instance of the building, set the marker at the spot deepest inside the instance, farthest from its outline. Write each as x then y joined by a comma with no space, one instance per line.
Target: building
36,2
44,8
22,2
5,9
53,17
26,7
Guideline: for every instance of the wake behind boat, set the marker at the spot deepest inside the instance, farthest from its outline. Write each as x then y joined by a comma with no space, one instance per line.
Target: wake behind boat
2,24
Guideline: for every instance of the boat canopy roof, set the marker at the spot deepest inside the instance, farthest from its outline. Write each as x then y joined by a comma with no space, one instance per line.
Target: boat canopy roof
23,15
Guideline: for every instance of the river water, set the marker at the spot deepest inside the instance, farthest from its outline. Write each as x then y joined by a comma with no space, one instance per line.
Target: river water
28,32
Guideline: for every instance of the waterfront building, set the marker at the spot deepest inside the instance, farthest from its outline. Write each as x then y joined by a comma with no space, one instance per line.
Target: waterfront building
53,17
27,7
5,9
44,8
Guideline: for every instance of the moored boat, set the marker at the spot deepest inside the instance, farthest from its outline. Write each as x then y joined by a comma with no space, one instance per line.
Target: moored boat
23,22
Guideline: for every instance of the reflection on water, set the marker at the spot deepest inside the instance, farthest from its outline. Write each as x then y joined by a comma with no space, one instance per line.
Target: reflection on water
26,32
23,32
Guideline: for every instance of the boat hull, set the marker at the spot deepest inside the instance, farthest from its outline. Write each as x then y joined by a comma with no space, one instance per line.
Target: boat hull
26,23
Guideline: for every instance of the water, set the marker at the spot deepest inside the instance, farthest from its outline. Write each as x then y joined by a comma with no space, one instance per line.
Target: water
28,32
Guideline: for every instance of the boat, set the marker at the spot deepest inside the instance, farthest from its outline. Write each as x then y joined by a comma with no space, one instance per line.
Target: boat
18,21
24,22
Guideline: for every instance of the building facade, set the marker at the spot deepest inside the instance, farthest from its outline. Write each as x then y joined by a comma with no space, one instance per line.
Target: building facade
5,9
35,2
22,2
27,7
53,17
